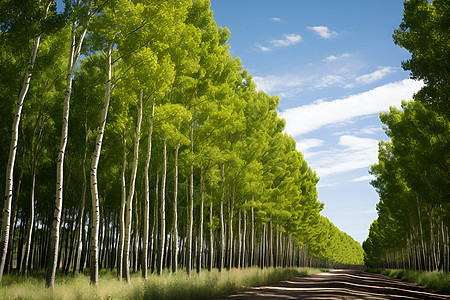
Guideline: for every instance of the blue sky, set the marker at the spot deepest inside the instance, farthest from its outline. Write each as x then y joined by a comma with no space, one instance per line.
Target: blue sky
335,67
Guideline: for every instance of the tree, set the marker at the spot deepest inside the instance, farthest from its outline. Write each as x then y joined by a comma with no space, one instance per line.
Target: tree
424,33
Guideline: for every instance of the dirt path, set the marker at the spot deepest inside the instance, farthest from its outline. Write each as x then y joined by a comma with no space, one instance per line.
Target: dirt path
340,284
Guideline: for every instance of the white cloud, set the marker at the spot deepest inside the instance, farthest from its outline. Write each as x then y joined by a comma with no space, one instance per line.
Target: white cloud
323,31
334,57
329,80
363,178
375,76
369,129
276,19
273,83
262,48
313,116
289,40
306,144
353,153
331,58
322,185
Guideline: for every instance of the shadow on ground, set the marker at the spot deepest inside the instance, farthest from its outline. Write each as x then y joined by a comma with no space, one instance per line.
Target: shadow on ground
340,284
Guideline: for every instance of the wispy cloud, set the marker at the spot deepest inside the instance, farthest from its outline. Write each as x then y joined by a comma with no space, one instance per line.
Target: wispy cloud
375,76
363,178
334,57
276,19
353,153
323,31
311,117
366,130
289,40
286,84
262,48
306,144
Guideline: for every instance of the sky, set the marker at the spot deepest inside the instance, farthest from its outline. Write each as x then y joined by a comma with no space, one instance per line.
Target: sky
335,68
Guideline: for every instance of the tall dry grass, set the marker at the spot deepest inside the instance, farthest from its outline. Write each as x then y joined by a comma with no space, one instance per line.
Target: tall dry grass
206,285
436,280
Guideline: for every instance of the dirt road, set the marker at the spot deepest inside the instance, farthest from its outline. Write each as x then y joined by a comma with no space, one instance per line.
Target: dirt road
340,284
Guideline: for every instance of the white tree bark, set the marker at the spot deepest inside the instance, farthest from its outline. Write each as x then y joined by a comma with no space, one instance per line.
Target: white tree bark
75,50
200,233
175,215
191,209
94,169
129,205
122,212
82,206
162,236
222,226
144,263
6,215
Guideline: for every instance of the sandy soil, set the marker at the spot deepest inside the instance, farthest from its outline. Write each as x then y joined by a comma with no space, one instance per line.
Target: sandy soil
340,284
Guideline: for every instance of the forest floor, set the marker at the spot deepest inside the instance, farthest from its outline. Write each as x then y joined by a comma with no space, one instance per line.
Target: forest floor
340,284
206,285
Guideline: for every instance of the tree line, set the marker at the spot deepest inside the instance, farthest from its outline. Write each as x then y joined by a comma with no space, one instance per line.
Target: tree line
166,155
412,175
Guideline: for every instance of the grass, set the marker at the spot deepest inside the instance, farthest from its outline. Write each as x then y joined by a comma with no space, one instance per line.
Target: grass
436,280
206,285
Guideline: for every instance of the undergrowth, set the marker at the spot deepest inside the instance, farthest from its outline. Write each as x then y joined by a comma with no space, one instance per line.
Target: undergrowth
436,280
206,285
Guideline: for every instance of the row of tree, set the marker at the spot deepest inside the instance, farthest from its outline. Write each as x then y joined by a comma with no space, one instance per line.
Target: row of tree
186,163
413,172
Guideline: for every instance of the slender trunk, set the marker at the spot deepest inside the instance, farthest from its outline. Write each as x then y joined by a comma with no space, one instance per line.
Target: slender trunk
156,225
30,229
211,237
82,206
230,226
75,50
129,204
200,233
162,236
94,166
252,240
6,216
122,211
147,199
191,208
244,239
271,245
222,228
175,215
239,240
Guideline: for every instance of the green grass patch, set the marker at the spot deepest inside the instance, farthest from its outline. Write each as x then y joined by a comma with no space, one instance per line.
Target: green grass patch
436,280
206,285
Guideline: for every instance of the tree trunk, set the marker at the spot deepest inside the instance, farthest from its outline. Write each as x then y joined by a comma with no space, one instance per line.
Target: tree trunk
230,235
122,212
175,215
94,165
211,237
147,199
53,250
222,227
162,236
200,233
129,204
82,206
30,229
191,208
